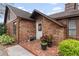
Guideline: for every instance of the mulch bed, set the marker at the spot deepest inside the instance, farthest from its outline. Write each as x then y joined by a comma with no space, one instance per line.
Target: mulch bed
35,48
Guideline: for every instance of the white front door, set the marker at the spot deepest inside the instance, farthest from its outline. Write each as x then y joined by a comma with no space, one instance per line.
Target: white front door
38,30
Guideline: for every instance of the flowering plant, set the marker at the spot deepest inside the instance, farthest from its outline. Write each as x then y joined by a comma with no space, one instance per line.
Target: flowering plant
44,38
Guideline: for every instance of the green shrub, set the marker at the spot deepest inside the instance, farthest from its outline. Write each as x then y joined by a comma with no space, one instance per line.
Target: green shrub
69,47
5,39
2,29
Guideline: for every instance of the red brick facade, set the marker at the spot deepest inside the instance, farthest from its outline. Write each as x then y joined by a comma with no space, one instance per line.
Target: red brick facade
9,26
77,28
65,21
71,6
49,27
26,29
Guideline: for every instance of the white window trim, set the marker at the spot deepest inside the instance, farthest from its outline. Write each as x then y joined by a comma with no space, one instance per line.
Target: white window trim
72,28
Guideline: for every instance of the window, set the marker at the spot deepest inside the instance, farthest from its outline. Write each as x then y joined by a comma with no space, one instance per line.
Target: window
72,28
14,28
39,27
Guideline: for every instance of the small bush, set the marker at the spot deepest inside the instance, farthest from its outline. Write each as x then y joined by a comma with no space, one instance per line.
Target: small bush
69,47
2,29
5,39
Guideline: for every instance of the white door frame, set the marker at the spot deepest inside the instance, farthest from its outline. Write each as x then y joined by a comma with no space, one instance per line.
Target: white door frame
38,33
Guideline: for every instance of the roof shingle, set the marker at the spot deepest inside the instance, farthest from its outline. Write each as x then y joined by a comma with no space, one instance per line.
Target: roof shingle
65,14
53,20
19,12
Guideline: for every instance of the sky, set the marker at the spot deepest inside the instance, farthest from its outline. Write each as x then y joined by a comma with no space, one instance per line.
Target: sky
46,8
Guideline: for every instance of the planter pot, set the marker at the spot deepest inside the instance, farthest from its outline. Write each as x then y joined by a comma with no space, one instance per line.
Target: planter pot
44,47
49,44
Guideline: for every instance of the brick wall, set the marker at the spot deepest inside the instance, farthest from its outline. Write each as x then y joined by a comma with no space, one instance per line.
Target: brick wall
71,6
26,29
77,31
65,21
57,32
9,26
49,27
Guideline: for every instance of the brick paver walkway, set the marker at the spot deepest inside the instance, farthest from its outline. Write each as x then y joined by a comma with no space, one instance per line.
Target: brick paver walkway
35,48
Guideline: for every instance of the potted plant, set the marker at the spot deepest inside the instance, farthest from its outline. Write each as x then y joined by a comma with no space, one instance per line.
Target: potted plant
44,45
49,41
44,42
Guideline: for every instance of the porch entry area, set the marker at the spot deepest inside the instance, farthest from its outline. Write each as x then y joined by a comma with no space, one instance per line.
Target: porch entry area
35,48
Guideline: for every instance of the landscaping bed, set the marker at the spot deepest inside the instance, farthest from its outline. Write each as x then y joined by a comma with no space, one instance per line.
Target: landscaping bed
6,40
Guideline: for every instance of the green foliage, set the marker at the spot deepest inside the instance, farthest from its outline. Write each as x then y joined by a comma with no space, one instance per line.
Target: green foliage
5,39
2,29
69,47
50,38
44,43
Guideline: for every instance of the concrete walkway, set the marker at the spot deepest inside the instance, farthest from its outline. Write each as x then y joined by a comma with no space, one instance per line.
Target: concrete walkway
17,50
3,52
